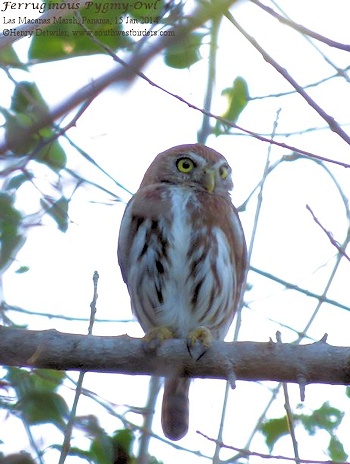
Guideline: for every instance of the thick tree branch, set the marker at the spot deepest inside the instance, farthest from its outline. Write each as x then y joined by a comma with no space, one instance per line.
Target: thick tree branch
313,363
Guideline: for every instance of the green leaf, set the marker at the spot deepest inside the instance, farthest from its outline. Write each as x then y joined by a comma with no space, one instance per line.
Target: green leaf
40,407
237,98
11,239
51,154
123,439
27,98
22,142
274,429
326,418
102,449
27,107
347,391
122,443
336,450
8,57
18,136
186,52
22,269
153,460
58,210
47,379
39,380
16,181
19,379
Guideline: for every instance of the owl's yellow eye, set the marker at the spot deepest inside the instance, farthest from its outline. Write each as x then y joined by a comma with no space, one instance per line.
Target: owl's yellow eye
223,172
185,165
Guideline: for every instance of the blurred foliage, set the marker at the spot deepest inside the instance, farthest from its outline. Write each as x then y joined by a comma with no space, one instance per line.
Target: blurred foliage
35,397
326,418
10,235
186,52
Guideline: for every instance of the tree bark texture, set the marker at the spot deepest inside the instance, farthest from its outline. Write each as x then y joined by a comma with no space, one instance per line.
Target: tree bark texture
313,363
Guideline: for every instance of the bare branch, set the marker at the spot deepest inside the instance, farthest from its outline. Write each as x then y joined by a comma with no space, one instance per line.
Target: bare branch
246,452
302,29
295,287
333,125
317,362
79,386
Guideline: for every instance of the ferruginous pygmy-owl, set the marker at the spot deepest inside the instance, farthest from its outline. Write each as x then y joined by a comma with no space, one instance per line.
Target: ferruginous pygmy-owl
183,257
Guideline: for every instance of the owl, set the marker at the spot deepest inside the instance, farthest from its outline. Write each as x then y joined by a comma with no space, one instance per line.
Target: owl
182,255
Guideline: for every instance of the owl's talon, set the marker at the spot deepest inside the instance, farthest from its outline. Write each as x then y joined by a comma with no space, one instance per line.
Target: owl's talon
154,339
198,342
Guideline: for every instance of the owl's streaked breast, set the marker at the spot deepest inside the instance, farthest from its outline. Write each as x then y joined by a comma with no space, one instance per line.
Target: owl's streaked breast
184,275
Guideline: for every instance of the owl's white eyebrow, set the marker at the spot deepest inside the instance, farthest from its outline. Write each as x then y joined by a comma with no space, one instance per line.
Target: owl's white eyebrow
198,160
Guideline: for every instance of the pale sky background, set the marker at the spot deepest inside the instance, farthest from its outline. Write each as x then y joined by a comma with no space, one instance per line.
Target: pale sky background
122,131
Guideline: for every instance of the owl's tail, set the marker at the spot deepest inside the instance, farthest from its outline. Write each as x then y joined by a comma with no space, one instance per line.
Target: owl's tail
175,407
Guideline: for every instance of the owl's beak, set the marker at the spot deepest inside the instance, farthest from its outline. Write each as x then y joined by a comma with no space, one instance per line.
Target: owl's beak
209,180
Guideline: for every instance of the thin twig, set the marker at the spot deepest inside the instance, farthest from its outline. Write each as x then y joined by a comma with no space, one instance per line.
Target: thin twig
261,189
295,287
33,442
289,413
153,392
70,424
336,244
205,130
307,86
7,307
216,457
93,302
325,291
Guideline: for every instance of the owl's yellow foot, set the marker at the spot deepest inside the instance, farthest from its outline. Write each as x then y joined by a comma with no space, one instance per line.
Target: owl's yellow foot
198,341
155,338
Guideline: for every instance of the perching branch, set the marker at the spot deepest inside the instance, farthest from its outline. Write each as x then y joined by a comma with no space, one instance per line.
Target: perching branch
314,363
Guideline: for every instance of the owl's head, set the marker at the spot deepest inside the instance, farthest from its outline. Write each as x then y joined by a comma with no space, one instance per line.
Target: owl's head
193,165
